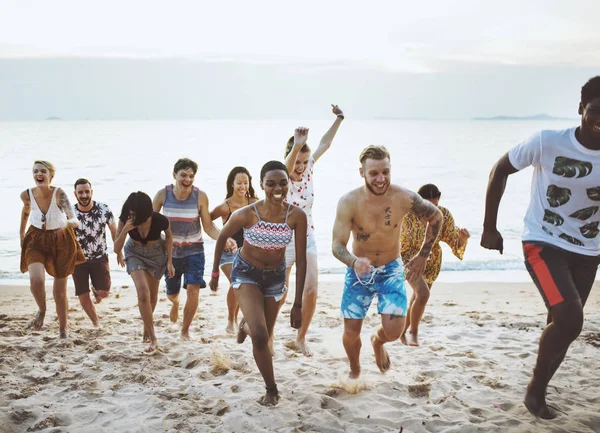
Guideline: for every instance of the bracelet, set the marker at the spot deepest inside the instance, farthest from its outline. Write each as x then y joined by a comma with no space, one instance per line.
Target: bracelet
297,306
341,116
215,274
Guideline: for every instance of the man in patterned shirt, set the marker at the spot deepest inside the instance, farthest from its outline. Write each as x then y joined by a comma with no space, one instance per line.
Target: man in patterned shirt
93,218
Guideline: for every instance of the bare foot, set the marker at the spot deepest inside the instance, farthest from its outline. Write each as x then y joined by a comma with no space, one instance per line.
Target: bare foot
146,337
403,339
413,339
535,403
174,311
354,374
185,335
241,335
271,398
38,321
64,334
230,328
152,348
382,359
301,343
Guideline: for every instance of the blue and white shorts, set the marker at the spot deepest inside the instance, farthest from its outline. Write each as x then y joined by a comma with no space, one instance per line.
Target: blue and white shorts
387,282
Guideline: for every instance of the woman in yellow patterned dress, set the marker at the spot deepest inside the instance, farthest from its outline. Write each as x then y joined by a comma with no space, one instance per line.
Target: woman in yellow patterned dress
411,239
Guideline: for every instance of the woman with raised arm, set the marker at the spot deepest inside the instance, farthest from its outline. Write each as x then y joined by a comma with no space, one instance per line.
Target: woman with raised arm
147,255
300,161
258,273
50,244
240,193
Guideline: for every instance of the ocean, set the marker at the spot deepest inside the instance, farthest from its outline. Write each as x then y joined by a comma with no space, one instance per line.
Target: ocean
120,157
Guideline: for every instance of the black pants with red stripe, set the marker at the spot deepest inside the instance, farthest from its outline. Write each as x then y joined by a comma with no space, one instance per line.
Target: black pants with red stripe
560,275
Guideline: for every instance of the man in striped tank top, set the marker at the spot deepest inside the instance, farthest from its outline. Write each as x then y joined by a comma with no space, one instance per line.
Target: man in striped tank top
187,209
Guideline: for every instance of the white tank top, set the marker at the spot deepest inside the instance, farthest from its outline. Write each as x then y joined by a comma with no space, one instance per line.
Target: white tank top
53,219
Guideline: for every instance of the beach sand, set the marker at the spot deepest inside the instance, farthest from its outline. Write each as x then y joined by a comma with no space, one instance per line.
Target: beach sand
479,342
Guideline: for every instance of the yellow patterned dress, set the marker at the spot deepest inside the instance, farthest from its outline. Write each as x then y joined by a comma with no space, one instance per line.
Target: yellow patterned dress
412,235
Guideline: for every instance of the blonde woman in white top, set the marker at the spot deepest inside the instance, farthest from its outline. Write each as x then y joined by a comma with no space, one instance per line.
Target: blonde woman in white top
300,161
49,245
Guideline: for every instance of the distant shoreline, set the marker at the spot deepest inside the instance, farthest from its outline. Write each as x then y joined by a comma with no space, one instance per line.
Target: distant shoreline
534,117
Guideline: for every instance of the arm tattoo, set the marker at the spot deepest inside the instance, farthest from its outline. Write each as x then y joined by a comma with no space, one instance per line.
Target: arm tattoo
25,215
341,253
63,203
362,237
422,208
433,229
388,216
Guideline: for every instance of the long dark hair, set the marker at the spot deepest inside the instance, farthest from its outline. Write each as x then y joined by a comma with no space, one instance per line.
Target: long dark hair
140,203
231,177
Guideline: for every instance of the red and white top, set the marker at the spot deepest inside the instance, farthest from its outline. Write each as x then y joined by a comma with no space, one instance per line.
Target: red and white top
301,194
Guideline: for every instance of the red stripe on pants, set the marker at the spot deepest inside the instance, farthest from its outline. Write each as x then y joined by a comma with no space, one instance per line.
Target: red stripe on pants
543,275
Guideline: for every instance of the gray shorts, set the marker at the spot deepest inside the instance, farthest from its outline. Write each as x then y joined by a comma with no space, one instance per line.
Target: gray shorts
152,258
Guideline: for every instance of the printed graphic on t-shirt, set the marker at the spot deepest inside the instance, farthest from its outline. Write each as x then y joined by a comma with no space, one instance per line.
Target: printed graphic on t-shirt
92,232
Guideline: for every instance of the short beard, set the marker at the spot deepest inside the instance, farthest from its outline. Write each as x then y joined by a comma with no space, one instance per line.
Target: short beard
375,193
83,204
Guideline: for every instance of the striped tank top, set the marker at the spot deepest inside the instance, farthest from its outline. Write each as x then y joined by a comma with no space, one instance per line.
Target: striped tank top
267,235
184,219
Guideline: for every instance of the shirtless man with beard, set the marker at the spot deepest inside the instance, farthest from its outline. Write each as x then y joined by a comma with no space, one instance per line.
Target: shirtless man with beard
373,215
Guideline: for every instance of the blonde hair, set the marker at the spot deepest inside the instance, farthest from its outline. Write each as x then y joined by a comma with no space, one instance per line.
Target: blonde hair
48,165
290,145
374,152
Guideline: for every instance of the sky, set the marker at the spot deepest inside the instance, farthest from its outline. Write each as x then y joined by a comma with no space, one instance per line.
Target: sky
416,44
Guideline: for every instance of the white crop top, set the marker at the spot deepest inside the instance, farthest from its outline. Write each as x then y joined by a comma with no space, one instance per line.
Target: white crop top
52,220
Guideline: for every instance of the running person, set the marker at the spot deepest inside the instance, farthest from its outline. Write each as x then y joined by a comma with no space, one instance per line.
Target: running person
561,241
147,255
186,208
240,193
412,235
49,244
300,162
373,215
93,218
258,274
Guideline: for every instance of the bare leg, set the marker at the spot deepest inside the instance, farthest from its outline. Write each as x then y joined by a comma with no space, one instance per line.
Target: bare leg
352,344
141,280
62,305
174,315
37,276
309,301
421,293
567,321
189,311
390,329
88,306
407,323
232,305
255,310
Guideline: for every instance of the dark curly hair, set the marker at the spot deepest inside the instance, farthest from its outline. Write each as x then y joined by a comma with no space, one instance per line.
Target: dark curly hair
270,166
231,177
590,90
141,204
429,191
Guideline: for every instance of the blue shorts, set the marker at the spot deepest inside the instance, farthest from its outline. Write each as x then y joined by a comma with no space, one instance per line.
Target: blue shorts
192,269
226,258
387,282
271,282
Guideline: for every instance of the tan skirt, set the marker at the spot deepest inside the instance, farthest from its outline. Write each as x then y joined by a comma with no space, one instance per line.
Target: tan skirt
58,250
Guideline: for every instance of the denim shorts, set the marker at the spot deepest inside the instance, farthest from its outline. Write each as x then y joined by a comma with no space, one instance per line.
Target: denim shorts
387,282
271,282
192,269
226,258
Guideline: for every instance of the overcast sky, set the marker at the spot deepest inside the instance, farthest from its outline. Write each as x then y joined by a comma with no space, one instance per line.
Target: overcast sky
389,37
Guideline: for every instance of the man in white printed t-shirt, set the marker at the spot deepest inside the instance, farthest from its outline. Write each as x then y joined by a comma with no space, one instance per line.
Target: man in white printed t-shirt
561,241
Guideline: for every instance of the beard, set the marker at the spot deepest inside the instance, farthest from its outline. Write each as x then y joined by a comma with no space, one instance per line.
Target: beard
370,188
84,201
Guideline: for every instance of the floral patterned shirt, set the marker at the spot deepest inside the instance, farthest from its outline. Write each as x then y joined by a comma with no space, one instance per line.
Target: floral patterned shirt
301,194
92,232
